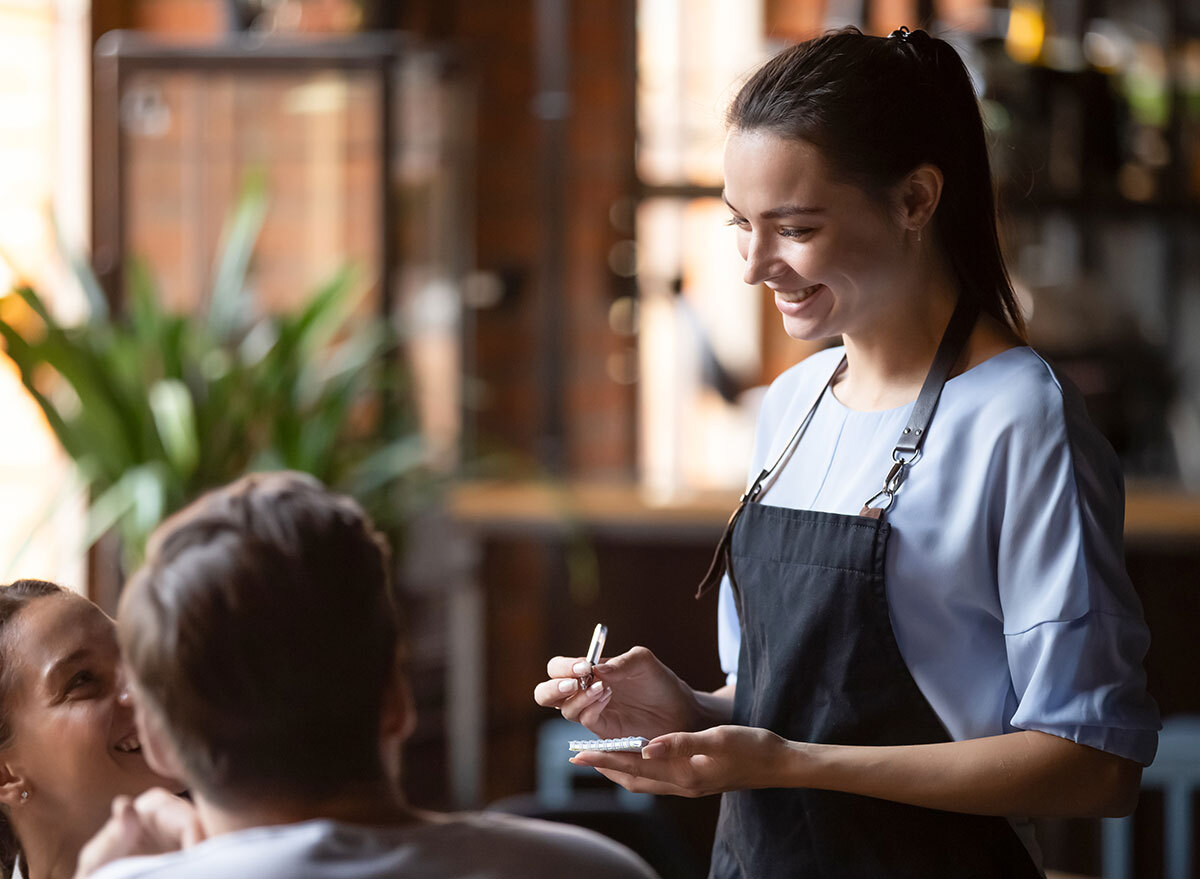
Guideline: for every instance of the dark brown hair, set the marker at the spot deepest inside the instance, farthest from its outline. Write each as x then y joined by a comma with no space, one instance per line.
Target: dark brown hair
262,632
13,599
878,107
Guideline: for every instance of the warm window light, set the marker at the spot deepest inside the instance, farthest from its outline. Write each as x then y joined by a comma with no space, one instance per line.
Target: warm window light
1026,32
44,51
8,277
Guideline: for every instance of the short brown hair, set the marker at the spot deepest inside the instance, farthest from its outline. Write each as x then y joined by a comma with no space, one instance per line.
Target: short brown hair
262,631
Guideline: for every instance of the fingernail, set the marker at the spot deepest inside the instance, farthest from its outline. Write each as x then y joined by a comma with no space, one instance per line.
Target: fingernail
596,688
582,668
607,694
568,686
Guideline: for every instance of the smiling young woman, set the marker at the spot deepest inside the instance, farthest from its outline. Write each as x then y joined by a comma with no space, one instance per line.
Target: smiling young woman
68,743
926,624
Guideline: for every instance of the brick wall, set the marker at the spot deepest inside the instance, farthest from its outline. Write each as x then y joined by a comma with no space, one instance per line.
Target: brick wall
497,41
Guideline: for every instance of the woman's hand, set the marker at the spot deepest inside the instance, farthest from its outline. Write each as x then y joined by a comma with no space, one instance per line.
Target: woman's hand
716,760
630,695
1019,773
155,823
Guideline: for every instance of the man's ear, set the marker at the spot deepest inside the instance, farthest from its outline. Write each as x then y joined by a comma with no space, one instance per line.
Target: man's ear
157,747
12,784
398,718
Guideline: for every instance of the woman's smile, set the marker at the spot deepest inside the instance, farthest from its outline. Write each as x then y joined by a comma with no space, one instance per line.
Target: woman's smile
129,744
793,302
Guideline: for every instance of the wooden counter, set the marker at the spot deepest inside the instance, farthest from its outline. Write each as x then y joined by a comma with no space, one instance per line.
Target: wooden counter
498,507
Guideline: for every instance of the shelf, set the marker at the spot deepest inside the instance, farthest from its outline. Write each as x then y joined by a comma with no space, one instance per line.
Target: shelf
1152,513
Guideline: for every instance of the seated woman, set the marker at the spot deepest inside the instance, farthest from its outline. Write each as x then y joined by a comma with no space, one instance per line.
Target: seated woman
68,742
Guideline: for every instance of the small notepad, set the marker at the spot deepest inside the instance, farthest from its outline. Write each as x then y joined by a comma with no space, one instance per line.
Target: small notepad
628,743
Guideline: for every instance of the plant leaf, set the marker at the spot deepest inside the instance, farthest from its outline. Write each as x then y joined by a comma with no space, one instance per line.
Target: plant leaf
175,419
227,305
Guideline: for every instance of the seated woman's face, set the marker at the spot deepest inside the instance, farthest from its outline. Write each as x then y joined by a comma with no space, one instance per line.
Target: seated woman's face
74,746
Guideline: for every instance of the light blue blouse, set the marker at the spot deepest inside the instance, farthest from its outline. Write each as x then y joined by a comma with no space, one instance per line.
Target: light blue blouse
1005,573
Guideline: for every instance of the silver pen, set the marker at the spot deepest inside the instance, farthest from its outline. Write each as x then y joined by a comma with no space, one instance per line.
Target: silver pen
594,652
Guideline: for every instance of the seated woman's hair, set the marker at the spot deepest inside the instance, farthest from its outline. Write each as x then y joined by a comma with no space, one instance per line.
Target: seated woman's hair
262,633
13,598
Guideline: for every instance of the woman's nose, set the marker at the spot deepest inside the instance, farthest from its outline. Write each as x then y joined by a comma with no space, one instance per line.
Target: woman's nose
124,693
759,262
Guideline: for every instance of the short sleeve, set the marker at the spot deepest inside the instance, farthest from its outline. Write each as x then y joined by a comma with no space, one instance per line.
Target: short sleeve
1074,632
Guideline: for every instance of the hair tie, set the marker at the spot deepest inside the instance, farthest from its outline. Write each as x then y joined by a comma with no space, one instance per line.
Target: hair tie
916,38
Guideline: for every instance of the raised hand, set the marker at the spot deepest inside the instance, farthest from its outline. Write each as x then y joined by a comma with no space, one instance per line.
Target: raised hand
629,695
154,823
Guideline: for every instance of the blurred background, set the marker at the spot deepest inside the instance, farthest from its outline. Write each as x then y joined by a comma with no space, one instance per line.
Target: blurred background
467,259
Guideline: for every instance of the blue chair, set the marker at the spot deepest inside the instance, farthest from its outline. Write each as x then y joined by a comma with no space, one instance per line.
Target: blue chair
578,795
556,775
1176,771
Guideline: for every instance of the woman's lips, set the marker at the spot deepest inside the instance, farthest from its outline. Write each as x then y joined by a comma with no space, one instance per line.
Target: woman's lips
792,302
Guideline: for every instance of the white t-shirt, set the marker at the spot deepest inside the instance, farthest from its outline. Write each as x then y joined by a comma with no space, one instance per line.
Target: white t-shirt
465,846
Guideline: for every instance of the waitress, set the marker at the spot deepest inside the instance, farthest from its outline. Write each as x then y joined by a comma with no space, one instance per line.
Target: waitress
924,616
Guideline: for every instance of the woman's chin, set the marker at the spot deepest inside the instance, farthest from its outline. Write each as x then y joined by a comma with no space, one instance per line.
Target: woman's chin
805,330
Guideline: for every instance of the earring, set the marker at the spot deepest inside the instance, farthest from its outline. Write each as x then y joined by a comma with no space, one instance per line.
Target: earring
24,795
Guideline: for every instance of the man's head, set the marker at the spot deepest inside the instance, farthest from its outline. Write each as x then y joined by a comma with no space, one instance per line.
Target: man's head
261,638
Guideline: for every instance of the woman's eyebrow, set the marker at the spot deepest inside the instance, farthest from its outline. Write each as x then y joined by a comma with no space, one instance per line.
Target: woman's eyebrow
787,210
56,668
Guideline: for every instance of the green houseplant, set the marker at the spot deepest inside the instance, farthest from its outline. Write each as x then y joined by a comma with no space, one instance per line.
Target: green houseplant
155,406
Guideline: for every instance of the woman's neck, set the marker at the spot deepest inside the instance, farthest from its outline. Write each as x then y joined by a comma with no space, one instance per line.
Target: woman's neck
48,855
889,356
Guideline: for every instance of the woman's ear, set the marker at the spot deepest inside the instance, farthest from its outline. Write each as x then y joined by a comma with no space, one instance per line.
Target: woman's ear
918,195
13,787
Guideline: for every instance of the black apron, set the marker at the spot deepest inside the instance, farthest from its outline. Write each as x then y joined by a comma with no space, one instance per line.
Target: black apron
819,663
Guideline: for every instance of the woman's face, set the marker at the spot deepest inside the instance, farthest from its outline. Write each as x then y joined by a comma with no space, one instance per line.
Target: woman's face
74,744
827,249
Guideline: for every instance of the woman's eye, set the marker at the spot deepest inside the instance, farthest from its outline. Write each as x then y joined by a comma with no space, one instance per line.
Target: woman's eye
80,680
793,232
737,221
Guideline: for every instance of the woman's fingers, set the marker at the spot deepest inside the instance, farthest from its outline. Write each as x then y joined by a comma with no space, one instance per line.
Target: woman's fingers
640,785
567,667
586,707
634,773
552,693
590,711
569,676
576,702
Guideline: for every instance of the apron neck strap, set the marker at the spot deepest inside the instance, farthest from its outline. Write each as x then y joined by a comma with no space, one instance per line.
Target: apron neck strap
907,449
908,446
954,340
